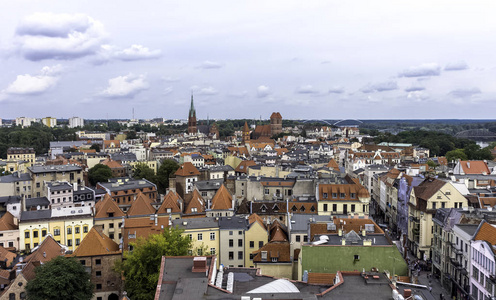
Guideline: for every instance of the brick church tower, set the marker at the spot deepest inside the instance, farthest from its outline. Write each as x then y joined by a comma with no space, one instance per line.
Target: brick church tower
192,129
275,123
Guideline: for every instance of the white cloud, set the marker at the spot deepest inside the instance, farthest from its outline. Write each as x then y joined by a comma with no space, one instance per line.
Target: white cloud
456,66
211,65
209,90
380,87
58,36
414,88
125,86
417,96
430,69
241,94
136,52
336,90
465,92
168,90
35,84
263,91
307,89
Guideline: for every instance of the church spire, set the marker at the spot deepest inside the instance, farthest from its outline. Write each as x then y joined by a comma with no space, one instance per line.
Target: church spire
192,112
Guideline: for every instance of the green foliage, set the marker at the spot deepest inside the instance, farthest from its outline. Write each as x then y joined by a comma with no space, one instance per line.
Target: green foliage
4,172
431,164
99,173
60,278
131,135
142,170
95,147
141,267
454,155
167,168
437,142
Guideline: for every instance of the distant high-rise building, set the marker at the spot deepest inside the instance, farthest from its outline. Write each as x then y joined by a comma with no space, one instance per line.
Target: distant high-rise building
24,122
49,121
76,122
192,129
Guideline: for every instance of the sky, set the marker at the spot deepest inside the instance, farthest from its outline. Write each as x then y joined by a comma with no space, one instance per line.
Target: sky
246,59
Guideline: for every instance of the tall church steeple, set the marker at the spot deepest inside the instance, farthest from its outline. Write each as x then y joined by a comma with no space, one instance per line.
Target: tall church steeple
192,129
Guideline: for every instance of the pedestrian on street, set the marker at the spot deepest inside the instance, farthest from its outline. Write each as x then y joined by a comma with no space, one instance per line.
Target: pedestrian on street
430,289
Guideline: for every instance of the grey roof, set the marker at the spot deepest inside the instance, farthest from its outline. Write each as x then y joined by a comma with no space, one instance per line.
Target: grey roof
54,169
196,223
33,202
31,215
126,185
470,229
225,168
213,184
351,240
124,156
358,288
59,186
233,223
10,199
301,221
67,144
15,177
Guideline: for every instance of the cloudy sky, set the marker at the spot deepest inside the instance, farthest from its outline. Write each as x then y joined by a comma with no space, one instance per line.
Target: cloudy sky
245,59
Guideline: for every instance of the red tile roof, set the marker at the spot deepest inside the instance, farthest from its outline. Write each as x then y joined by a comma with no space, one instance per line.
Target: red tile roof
172,201
107,206
474,167
244,165
187,169
96,244
7,222
141,206
222,199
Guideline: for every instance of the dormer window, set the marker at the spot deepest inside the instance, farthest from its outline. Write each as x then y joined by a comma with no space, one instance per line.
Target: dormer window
334,195
325,195
111,215
342,195
293,208
264,255
353,195
263,208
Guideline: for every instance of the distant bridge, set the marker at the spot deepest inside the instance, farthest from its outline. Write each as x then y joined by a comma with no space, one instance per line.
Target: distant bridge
476,134
337,123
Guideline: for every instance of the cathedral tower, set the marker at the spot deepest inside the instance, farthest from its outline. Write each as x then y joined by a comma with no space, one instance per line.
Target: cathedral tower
192,129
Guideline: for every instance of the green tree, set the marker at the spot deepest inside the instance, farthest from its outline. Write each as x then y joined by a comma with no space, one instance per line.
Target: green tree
131,135
4,172
99,173
455,155
96,147
60,278
142,170
431,164
165,170
141,267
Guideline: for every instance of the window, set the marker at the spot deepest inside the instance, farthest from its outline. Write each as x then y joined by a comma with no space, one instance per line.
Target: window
212,236
231,243
43,232
240,232
35,233
190,237
298,238
230,232
56,232
325,207
240,254
77,229
200,236
111,225
69,243
325,195
83,262
334,195
27,246
69,230
240,242
305,238
77,242
212,251
98,273
200,251
266,191
98,286
26,234
334,207
231,255
260,244
342,195
252,244
98,261
111,236
434,205
353,208
251,256
443,204
264,255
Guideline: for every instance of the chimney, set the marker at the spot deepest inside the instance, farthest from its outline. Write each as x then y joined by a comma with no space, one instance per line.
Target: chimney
156,219
343,242
340,232
363,232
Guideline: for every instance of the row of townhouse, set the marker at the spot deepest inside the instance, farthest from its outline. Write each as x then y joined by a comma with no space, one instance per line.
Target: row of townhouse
464,246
